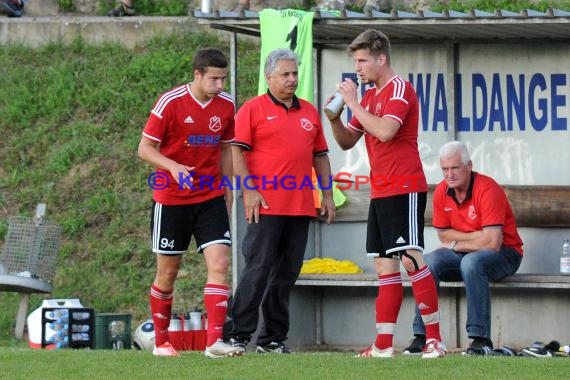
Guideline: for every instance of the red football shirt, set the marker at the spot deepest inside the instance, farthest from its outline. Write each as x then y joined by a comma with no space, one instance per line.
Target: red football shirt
486,206
190,133
395,165
279,145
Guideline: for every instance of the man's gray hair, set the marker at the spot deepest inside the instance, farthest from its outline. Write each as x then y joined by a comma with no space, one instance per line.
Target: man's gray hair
275,56
453,147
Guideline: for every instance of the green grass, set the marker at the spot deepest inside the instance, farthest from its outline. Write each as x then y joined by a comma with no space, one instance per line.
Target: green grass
18,363
146,7
71,118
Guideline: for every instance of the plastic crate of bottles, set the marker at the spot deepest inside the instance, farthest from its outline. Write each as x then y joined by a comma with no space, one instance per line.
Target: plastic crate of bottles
68,328
188,331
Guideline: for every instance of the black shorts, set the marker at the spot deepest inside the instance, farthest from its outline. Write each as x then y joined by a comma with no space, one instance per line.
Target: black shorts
396,224
172,227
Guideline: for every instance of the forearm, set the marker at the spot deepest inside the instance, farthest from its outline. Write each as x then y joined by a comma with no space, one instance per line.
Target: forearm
345,138
149,153
471,241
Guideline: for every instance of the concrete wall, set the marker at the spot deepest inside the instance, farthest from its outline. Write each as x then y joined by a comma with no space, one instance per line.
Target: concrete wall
129,31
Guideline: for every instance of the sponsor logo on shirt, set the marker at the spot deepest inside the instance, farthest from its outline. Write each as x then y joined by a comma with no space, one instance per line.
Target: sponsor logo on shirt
202,141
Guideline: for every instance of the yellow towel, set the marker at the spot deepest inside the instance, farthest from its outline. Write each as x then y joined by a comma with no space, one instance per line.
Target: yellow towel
328,265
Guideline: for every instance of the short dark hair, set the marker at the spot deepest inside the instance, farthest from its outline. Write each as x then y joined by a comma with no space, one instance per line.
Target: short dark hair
209,57
372,40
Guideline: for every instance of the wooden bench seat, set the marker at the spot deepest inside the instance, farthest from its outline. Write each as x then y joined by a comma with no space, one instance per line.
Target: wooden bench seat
539,281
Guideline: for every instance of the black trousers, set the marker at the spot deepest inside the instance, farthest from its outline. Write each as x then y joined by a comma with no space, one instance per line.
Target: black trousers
273,250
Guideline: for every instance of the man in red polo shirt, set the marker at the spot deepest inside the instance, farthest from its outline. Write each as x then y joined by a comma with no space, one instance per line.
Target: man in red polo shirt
279,139
480,242
387,117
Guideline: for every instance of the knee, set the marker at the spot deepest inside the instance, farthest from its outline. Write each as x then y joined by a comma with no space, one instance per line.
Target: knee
431,261
471,268
412,262
219,264
165,278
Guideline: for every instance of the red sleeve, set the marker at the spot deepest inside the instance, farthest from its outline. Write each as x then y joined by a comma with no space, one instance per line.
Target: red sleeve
399,103
440,218
492,202
156,126
244,126
229,131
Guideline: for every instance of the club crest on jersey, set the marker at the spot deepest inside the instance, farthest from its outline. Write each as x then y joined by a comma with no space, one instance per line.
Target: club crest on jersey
215,123
306,124
378,111
472,212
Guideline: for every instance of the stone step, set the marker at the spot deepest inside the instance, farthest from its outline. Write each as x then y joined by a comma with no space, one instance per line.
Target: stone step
36,8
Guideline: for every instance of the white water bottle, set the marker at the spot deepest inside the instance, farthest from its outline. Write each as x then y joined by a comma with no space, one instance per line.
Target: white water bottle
333,108
79,337
565,258
59,315
80,316
79,328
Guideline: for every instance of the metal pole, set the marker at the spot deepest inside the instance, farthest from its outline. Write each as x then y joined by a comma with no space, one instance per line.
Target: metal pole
206,6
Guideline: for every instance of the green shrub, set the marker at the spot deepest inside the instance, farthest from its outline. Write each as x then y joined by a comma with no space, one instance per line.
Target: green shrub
71,120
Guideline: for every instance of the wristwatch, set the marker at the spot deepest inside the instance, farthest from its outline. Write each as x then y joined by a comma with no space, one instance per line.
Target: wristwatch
452,245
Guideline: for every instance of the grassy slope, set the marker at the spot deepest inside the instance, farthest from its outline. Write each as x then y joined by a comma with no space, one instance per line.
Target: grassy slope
70,119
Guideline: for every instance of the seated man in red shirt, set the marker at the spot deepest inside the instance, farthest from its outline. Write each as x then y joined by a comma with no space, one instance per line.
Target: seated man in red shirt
479,242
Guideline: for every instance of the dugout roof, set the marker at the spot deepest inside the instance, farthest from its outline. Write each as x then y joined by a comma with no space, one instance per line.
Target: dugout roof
331,28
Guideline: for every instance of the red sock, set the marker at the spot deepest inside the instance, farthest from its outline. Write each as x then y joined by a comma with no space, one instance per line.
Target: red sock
425,293
161,308
216,302
388,302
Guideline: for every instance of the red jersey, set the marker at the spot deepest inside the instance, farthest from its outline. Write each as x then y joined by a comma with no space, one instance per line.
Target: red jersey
395,166
486,206
279,145
190,133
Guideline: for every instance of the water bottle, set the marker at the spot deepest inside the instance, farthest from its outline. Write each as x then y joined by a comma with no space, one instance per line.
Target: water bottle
565,258
175,324
60,339
60,315
78,337
80,316
187,322
58,326
196,320
79,328
332,108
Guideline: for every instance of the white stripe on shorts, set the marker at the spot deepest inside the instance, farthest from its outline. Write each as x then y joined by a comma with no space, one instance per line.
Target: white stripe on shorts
413,218
156,227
